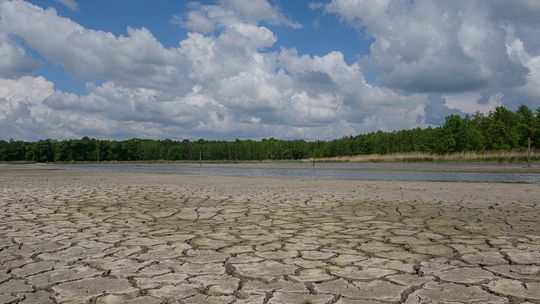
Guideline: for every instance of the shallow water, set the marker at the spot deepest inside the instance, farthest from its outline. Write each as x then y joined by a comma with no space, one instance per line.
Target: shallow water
352,171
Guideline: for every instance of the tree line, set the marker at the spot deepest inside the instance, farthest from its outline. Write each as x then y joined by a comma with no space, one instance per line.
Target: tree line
500,129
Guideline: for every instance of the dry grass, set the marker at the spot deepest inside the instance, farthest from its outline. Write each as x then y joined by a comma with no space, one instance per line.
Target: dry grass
514,156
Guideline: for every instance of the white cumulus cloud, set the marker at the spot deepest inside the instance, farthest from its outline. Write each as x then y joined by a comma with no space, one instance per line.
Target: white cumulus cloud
226,79
14,61
442,46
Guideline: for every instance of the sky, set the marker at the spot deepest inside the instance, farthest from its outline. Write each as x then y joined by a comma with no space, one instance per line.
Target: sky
228,69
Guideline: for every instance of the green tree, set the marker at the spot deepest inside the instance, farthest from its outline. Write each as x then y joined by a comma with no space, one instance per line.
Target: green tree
525,121
41,151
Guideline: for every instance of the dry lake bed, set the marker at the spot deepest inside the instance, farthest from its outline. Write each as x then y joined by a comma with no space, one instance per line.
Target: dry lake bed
120,237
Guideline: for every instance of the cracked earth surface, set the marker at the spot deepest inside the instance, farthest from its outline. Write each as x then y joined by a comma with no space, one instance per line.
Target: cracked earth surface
89,237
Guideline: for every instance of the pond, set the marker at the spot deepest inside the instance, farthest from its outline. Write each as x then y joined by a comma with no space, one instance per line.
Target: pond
510,173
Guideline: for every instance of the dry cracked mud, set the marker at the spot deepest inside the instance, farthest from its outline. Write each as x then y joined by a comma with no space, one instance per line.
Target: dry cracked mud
103,237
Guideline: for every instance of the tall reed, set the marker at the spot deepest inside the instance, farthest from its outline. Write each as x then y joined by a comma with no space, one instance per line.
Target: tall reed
512,156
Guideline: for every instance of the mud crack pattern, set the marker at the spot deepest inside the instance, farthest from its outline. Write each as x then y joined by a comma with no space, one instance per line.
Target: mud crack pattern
82,237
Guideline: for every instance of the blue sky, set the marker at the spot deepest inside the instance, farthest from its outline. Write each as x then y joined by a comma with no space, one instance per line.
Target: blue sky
230,69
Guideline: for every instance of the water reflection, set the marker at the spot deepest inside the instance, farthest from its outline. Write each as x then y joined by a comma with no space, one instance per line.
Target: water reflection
353,171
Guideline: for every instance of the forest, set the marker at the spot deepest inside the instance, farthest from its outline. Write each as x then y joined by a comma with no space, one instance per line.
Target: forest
499,130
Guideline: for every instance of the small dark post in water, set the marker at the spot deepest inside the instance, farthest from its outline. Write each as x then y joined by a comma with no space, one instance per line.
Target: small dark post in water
200,158
529,152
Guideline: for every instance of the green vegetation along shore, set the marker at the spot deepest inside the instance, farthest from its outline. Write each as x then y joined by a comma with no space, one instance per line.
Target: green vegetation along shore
501,135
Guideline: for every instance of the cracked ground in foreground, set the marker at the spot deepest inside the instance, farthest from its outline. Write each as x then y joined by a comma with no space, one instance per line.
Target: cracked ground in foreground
83,237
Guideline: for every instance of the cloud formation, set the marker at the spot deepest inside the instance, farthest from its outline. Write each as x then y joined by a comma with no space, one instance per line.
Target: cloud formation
225,79
14,60
442,46
71,4
208,18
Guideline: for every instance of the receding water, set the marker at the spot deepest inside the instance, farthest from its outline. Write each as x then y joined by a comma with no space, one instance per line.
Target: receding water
352,171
